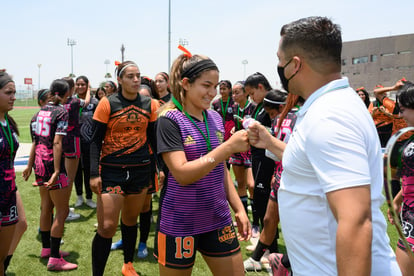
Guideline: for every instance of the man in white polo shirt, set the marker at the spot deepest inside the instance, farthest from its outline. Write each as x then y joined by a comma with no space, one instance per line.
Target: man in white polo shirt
331,188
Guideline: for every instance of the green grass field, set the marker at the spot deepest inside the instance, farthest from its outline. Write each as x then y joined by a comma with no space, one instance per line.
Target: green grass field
22,116
79,234
78,239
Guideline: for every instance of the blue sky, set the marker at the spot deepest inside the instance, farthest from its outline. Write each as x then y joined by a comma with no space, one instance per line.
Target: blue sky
36,32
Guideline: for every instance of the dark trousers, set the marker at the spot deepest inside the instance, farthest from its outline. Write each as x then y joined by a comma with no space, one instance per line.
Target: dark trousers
85,171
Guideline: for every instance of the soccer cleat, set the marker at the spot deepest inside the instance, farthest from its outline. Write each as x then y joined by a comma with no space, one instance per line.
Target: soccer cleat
265,258
252,265
79,201
90,203
142,250
59,264
46,253
129,270
116,245
72,215
278,269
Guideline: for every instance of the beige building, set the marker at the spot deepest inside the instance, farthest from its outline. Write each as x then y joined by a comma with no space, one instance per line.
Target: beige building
382,60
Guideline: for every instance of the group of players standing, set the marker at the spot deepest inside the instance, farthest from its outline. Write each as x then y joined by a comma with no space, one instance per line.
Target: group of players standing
134,142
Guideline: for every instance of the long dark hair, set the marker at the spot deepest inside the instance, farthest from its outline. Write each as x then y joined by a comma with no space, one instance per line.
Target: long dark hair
405,96
367,102
258,78
58,89
5,79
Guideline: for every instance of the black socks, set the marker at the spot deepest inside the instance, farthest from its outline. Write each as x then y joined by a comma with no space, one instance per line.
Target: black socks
101,247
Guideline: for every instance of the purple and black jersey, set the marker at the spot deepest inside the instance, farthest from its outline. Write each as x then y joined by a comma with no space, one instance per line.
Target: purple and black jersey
51,120
7,174
202,206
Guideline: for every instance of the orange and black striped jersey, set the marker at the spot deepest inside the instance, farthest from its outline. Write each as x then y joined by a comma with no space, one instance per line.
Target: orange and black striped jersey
381,118
125,140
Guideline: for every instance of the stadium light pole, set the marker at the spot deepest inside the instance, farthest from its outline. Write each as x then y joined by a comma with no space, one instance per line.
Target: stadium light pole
71,43
38,84
244,62
122,52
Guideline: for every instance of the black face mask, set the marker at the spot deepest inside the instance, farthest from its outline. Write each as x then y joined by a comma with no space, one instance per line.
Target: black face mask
283,79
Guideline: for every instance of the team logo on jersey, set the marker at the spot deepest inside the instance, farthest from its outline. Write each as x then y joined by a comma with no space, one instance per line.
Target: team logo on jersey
227,234
409,150
220,136
189,141
62,125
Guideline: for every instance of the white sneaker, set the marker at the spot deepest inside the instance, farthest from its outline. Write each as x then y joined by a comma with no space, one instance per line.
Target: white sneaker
79,201
72,215
90,203
252,265
265,258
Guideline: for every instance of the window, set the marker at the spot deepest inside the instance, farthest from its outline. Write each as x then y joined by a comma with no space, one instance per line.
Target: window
387,54
374,58
343,62
356,73
404,52
386,69
358,60
405,67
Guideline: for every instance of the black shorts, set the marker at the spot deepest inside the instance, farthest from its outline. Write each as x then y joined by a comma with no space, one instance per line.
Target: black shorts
125,180
8,208
180,252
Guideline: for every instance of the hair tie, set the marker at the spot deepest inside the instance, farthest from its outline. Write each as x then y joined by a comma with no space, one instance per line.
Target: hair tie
186,52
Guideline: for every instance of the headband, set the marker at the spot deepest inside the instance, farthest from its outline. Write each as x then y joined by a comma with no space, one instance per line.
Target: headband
5,79
273,102
112,84
128,65
198,67
226,82
164,75
44,92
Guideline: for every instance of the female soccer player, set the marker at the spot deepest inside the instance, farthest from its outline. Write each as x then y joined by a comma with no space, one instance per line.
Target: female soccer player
162,86
242,162
123,127
8,148
404,200
194,212
48,127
